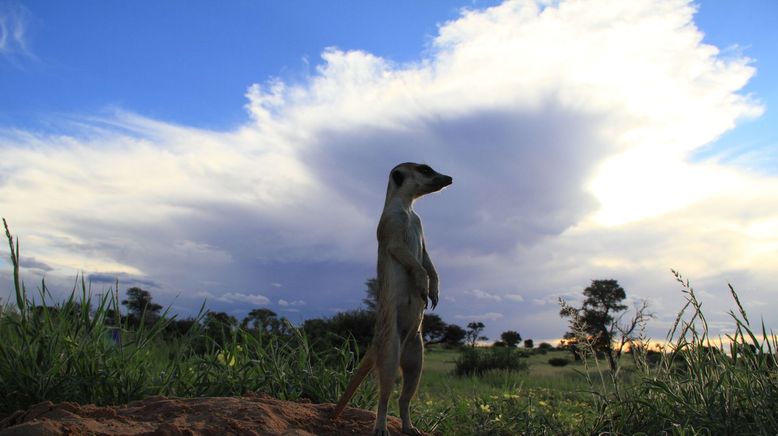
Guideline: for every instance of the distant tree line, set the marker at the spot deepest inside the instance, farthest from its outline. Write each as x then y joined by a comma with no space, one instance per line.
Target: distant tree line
323,333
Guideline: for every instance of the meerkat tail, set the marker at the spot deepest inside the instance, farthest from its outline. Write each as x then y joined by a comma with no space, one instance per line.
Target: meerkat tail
364,369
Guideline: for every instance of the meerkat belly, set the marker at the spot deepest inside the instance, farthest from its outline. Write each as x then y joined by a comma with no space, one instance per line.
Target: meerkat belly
415,238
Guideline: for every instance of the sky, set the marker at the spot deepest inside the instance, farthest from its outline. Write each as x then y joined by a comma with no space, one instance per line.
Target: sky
238,152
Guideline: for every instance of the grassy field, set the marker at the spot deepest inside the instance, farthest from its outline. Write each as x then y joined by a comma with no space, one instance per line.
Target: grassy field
438,382
541,399
68,351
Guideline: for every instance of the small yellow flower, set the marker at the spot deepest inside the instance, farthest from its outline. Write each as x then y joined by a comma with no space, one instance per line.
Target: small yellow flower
485,408
542,404
225,359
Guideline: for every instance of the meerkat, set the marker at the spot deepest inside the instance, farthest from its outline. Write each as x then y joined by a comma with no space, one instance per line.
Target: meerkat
407,284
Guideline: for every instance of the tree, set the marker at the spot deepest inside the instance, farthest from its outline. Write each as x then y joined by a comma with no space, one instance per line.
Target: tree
596,322
356,323
332,332
529,343
433,329
179,327
371,299
454,335
473,333
545,346
219,326
569,343
262,319
511,338
139,304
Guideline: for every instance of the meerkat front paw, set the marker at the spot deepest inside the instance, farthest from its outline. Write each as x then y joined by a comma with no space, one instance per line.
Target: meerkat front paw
422,284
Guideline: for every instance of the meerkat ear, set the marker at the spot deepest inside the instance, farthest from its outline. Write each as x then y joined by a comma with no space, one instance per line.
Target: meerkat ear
398,177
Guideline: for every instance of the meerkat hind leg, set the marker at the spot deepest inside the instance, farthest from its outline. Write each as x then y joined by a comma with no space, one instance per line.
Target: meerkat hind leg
388,359
411,361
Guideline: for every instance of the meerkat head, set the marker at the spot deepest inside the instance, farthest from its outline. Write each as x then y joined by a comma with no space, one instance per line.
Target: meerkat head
416,180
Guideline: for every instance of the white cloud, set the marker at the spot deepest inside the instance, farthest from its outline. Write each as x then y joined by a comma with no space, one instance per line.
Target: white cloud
237,297
285,303
484,295
568,129
489,316
477,293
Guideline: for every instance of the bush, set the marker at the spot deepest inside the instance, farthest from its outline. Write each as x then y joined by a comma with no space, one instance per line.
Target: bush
544,347
476,361
558,361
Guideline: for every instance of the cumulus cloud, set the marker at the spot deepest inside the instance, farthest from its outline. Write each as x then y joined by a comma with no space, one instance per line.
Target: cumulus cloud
569,129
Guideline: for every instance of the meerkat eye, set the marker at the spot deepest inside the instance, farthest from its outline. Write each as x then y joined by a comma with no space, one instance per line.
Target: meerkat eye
425,170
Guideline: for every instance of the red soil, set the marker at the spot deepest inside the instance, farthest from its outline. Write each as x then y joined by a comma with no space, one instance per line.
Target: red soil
249,415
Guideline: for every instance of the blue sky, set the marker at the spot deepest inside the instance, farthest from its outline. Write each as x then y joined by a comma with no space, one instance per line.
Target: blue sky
190,62
238,151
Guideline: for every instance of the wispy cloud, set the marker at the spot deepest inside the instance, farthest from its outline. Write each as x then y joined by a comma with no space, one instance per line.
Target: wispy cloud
237,297
484,295
477,293
14,38
32,263
514,297
489,316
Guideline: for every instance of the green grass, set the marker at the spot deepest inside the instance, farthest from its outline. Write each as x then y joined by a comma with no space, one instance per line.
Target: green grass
699,385
439,365
539,400
63,351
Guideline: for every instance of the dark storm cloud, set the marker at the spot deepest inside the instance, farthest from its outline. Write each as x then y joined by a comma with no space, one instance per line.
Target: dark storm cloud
518,175
32,263
124,279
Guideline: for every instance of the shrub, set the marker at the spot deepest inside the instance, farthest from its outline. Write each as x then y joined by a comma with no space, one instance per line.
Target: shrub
558,361
544,347
476,361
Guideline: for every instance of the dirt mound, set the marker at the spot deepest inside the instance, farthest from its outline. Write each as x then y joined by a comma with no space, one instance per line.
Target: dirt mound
249,415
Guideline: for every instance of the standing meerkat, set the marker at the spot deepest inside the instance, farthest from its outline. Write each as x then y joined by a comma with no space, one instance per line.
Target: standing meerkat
407,280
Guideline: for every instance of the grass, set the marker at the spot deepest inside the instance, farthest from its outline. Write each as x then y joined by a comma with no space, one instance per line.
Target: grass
66,351
541,399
